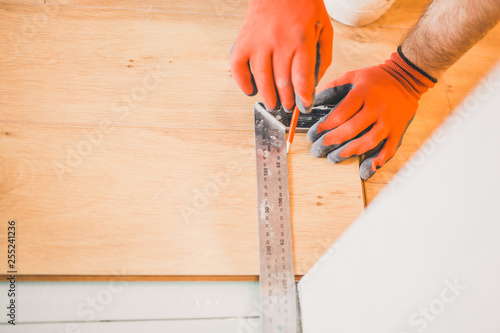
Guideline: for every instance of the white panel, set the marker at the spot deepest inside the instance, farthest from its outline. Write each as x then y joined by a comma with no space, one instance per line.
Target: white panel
180,326
94,301
425,256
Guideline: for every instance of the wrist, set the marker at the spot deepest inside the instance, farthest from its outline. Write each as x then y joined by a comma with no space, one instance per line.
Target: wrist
410,56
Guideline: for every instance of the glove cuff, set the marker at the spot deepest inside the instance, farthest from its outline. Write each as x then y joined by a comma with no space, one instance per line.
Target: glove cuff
415,67
412,78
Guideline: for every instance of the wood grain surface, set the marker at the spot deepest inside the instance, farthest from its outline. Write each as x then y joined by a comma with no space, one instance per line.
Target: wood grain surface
127,148
151,75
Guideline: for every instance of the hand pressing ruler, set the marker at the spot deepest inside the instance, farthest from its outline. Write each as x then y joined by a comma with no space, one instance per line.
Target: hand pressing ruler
277,282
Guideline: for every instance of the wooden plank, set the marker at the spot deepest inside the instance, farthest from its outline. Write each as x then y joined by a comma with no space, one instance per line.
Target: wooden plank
154,278
403,13
215,7
157,201
127,199
60,68
474,65
353,48
135,67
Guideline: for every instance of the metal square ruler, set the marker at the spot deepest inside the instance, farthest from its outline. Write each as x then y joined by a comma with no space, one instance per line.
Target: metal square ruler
278,295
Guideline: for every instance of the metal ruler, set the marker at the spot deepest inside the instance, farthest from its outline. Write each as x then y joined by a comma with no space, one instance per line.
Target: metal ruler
277,282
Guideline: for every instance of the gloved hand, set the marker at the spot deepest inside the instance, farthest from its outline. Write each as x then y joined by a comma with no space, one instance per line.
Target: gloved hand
283,48
375,107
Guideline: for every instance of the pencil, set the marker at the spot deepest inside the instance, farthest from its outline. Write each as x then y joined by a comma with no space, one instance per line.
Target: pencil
293,125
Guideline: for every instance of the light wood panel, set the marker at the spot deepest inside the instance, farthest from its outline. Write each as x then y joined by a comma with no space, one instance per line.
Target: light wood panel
135,67
474,65
212,7
144,278
94,60
141,201
113,127
89,62
403,13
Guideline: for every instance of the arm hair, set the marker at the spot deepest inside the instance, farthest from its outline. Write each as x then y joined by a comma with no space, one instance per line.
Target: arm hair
447,30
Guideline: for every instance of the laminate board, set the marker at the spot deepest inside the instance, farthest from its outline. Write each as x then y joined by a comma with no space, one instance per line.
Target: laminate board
148,201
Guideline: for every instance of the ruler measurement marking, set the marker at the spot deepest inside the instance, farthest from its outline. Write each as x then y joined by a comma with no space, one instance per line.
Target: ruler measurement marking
278,295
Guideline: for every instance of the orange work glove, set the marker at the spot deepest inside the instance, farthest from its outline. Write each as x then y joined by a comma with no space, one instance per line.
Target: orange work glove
283,48
375,106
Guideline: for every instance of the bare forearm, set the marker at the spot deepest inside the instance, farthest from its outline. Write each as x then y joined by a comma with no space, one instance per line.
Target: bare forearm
447,30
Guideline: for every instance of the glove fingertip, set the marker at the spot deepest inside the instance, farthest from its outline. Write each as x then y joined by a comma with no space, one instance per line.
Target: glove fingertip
271,109
317,149
365,169
288,110
334,157
301,106
312,133
333,94
277,106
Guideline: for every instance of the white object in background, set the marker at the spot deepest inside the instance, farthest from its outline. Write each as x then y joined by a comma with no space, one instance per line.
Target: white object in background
357,12
425,255
123,306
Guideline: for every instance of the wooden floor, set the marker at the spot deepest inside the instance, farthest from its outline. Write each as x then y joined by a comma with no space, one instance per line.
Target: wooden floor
128,149
90,85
